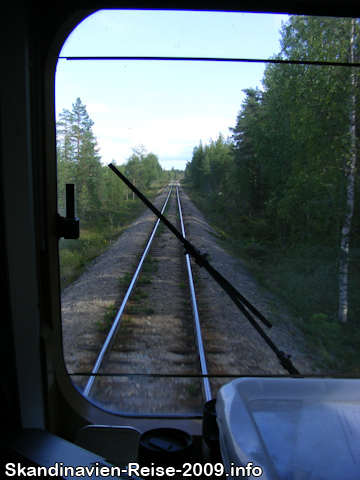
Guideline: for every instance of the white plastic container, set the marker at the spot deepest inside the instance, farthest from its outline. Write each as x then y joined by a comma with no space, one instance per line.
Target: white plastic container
293,429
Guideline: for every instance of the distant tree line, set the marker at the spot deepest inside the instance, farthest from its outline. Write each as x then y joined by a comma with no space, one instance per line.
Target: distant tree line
78,161
290,163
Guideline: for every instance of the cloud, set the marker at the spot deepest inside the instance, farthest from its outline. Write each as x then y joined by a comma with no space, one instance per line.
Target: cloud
93,108
169,138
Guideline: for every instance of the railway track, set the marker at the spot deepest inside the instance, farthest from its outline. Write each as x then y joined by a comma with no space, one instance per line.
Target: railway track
156,354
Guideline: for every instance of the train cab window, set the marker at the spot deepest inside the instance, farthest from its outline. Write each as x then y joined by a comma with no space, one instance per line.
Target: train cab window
243,130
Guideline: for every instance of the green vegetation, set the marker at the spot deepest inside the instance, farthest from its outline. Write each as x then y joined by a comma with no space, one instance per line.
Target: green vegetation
161,229
144,279
104,204
151,265
305,279
192,391
108,319
134,310
127,326
96,234
140,295
125,281
97,188
281,190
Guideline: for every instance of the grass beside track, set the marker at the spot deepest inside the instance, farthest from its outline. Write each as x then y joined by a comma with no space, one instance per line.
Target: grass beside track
96,234
304,278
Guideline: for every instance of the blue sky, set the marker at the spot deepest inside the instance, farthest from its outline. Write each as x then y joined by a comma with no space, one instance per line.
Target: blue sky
166,106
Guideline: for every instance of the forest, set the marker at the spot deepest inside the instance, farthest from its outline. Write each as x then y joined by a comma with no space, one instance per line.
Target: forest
283,188
79,162
103,203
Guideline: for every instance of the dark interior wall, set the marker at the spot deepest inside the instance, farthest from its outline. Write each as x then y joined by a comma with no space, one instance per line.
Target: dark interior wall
9,398
31,30
19,274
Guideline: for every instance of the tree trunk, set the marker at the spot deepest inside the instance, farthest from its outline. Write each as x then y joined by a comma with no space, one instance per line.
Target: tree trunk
345,234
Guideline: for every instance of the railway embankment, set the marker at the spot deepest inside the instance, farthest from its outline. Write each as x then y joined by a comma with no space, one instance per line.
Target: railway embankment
234,347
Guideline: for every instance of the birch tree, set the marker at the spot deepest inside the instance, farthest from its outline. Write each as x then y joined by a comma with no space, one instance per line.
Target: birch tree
345,234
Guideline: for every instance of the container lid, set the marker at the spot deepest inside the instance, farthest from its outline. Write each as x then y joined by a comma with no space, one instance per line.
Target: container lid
291,428
164,446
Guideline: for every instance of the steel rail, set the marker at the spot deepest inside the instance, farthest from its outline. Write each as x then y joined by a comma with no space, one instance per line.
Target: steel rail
199,258
198,334
116,324
202,261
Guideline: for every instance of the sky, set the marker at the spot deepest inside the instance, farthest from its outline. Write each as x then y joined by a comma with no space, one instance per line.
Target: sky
166,106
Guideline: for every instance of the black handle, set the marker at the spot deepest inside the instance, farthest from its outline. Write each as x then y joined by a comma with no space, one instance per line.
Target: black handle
69,227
